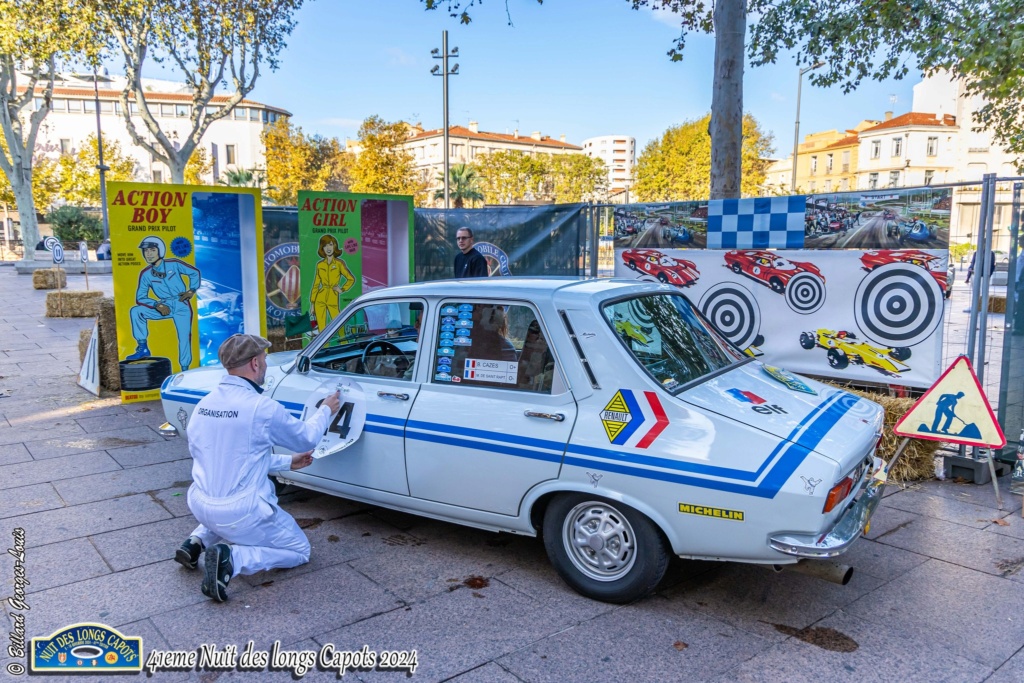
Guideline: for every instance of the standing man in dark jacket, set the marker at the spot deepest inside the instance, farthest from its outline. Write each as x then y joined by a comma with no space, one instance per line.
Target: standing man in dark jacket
470,262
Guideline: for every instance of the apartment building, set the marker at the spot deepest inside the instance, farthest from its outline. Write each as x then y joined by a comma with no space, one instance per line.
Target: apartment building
466,145
232,143
916,148
618,152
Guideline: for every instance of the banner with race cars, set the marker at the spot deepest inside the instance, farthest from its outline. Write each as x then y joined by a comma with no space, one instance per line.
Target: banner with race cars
187,274
893,218
871,315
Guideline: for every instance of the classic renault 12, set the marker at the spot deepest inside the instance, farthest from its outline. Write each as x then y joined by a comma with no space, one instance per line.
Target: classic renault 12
607,416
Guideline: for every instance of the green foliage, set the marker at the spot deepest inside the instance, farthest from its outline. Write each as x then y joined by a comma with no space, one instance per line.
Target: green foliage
576,178
677,166
240,177
296,161
71,224
878,39
78,180
463,186
960,251
507,176
383,165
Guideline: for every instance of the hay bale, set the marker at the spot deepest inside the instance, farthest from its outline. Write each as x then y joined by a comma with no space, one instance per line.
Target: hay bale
72,304
996,303
278,342
110,375
84,336
918,459
46,278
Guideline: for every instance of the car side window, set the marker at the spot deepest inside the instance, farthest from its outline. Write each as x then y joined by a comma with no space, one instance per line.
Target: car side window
380,339
492,345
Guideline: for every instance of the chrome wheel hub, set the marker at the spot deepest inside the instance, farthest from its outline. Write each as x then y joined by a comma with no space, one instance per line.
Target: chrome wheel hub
599,541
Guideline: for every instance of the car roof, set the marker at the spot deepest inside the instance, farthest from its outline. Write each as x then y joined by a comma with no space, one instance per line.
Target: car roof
529,288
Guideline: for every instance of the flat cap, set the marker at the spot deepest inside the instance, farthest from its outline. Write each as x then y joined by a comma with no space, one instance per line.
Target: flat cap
238,349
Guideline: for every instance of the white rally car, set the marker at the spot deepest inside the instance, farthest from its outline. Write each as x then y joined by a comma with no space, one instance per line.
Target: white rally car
606,415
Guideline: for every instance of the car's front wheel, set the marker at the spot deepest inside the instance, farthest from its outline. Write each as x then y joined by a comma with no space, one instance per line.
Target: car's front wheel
604,550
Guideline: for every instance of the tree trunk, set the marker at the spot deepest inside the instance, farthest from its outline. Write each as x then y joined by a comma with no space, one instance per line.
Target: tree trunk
177,169
26,213
726,128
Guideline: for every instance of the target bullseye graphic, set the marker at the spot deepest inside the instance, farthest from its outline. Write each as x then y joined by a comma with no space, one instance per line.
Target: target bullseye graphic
898,305
733,310
805,293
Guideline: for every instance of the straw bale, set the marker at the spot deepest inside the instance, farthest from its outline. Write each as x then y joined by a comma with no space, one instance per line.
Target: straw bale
275,335
918,459
996,303
46,278
110,375
84,336
72,304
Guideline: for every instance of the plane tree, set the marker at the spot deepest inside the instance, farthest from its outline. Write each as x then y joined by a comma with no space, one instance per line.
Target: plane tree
209,43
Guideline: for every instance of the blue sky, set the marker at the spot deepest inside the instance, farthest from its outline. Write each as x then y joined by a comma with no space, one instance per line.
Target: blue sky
559,69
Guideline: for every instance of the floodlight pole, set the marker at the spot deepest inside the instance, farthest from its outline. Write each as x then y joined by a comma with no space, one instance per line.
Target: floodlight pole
99,148
444,72
796,125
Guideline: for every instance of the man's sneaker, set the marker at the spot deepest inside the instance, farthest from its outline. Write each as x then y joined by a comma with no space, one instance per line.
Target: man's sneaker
141,351
188,554
219,569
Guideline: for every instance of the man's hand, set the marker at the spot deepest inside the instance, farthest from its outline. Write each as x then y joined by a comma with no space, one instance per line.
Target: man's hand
186,295
333,402
163,309
300,460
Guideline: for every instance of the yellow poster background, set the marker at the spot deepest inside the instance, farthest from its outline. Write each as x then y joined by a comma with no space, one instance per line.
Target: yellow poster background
157,212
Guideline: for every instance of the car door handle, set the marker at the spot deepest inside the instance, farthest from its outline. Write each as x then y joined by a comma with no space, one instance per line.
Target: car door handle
388,394
557,417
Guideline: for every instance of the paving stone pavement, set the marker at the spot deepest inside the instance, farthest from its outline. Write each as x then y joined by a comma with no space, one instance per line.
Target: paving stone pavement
100,496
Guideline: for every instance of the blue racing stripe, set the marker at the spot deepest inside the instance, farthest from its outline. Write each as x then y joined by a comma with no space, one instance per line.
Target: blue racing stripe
670,477
484,434
489,447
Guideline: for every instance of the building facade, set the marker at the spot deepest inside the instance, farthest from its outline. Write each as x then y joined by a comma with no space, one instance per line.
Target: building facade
909,150
618,152
232,143
466,145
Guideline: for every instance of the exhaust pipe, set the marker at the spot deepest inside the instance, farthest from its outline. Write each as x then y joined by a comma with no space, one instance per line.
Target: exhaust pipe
820,569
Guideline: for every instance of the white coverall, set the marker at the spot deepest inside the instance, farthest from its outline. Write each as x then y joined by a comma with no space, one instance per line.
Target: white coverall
230,437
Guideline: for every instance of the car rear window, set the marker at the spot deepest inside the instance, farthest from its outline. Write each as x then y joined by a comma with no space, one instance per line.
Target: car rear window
671,339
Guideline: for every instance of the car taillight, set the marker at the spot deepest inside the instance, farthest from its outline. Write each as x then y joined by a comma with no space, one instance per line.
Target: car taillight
838,493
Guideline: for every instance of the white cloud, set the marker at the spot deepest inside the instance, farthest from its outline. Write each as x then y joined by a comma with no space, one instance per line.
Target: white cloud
666,17
399,57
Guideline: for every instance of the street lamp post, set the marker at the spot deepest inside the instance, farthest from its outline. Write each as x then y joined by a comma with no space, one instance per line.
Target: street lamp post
103,168
443,71
796,126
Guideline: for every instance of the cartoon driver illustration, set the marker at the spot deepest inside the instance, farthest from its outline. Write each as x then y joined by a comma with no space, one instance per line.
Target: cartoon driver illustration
170,299
333,278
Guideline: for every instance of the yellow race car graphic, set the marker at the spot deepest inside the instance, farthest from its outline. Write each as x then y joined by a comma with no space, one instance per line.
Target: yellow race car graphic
845,348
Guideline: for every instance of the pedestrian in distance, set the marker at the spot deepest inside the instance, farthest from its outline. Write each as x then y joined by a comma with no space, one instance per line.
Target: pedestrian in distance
468,262
230,437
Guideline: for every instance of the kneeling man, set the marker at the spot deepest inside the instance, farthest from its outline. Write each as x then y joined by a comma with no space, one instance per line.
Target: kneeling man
230,436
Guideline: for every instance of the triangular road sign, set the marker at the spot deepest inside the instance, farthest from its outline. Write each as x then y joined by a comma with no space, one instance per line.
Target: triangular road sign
954,410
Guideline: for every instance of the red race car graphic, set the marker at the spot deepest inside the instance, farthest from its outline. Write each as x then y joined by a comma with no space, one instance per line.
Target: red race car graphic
933,264
769,268
669,270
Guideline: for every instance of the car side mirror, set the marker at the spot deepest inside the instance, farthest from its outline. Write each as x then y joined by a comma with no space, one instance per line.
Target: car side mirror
303,365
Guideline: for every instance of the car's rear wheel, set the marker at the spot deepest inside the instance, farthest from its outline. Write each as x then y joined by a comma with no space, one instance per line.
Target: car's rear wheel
807,340
631,264
603,549
900,353
838,359
736,268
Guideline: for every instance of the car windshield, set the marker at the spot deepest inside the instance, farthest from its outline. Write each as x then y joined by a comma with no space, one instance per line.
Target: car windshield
670,338
668,261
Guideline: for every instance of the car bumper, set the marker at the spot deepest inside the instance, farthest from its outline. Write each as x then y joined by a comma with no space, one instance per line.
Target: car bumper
847,529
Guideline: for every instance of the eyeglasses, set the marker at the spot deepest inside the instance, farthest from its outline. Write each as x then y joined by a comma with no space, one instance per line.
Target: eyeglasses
463,237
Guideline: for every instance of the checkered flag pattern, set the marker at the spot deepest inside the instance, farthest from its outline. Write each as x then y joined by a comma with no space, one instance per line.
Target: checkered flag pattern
757,223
